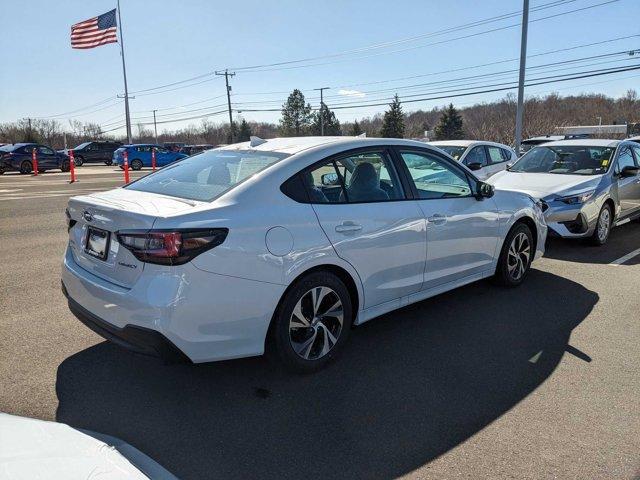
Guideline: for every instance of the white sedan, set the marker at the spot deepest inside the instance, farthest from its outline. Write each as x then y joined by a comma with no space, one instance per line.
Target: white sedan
286,244
484,158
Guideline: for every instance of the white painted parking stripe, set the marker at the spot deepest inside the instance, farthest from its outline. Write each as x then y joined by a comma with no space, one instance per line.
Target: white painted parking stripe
625,258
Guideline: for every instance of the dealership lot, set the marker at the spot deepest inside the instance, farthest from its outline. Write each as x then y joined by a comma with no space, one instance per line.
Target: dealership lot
481,382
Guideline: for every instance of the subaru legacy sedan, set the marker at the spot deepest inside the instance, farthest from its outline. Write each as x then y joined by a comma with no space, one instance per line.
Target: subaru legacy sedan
586,186
285,244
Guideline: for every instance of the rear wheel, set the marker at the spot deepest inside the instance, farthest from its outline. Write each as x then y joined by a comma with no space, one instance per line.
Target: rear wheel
603,226
66,166
516,256
136,164
312,322
78,161
25,167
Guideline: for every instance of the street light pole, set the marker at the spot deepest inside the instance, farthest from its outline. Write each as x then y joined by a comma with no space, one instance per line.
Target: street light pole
155,127
226,79
523,61
322,89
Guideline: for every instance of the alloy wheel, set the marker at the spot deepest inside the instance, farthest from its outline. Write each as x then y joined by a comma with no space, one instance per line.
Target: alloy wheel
604,223
518,257
316,323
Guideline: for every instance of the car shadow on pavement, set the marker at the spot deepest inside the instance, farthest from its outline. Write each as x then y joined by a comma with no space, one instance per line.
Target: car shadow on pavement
622,240
410,386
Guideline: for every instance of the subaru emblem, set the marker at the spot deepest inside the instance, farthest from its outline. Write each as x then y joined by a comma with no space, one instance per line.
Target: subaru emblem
87,216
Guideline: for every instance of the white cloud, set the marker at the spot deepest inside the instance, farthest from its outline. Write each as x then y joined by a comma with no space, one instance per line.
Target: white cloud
352,93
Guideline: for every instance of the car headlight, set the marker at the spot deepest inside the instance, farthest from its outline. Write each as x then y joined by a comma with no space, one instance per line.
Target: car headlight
575,199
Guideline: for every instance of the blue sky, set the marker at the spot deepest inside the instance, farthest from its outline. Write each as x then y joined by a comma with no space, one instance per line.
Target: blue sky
168,41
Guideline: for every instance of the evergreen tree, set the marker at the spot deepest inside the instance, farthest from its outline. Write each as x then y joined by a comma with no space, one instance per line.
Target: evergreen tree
450,125
331,123
244,135
296,115
355,129
393,122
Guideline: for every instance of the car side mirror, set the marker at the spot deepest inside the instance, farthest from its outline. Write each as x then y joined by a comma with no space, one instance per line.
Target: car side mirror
474,166
329,179
484,190
629,171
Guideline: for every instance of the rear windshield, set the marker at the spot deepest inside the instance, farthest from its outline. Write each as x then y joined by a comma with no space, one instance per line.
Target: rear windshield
206,176
454,151
10,148
572,160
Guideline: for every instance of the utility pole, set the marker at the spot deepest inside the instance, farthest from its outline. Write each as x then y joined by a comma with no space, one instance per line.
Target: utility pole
226,79
322,89
124,73
155,127
523,62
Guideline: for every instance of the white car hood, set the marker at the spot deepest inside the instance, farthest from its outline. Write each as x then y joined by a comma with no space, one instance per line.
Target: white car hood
541,185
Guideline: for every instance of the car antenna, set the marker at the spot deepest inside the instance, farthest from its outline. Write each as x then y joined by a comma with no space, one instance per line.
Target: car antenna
255,141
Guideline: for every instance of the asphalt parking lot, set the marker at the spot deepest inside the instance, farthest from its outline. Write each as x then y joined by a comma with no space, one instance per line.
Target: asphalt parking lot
542,381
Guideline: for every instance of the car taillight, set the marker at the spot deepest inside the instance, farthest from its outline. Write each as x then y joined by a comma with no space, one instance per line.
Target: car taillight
171,247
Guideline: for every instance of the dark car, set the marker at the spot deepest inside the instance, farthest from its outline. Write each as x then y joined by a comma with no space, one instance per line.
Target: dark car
93,152
193,149
17,157
173,146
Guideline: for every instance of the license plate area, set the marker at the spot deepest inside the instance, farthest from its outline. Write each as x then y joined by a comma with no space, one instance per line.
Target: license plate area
97,243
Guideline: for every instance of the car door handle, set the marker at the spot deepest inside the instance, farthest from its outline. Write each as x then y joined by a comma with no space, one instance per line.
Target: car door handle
437,219
348,227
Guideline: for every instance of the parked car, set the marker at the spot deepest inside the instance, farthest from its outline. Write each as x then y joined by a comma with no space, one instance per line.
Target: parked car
193,149
529,143
287,243
18,157
484,158
173,146
93,152
140,156
586,186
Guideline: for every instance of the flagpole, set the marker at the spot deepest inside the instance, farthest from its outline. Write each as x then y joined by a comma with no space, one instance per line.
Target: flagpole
124,73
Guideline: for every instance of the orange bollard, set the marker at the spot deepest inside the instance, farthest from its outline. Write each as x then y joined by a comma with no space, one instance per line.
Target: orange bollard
153,159
72,167
34,161
126,166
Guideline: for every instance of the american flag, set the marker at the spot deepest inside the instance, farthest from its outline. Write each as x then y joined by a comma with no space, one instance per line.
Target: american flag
94,32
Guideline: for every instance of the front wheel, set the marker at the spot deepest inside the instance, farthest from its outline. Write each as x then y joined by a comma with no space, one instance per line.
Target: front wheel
66,165
25,167
312,322
78,161
516,256
136,164
603,227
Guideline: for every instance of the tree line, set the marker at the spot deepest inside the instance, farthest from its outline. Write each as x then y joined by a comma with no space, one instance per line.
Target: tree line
492,121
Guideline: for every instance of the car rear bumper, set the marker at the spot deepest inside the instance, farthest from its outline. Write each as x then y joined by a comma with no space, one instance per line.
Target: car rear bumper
203,315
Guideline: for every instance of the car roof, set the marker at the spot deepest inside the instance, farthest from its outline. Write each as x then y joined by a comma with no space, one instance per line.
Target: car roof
467,143
549,138
584,142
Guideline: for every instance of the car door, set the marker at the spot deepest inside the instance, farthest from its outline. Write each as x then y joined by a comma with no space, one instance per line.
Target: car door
462,231
497,161
478,155
628,187
364,211
47,157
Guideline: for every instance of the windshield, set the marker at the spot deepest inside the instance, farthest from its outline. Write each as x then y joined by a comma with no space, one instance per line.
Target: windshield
454,151
569,160
206,176
82,145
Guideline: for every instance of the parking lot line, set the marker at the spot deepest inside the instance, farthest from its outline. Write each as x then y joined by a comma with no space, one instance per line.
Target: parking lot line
625,258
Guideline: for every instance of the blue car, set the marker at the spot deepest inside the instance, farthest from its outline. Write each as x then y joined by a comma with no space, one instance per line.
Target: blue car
140,156
17,157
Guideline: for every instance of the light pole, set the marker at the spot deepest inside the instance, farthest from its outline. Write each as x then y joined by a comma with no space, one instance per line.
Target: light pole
155,127
322,89
523,61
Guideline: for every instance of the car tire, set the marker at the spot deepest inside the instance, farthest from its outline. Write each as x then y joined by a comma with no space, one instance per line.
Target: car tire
515,257
136,164
66,165
108,163
26,167
78,161
603,226
2,170
300,343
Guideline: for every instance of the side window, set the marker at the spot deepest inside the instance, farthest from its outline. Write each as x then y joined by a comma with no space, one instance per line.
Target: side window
476,155
506,154
45,150
625,159
636,151
495,154
434,177
365,177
